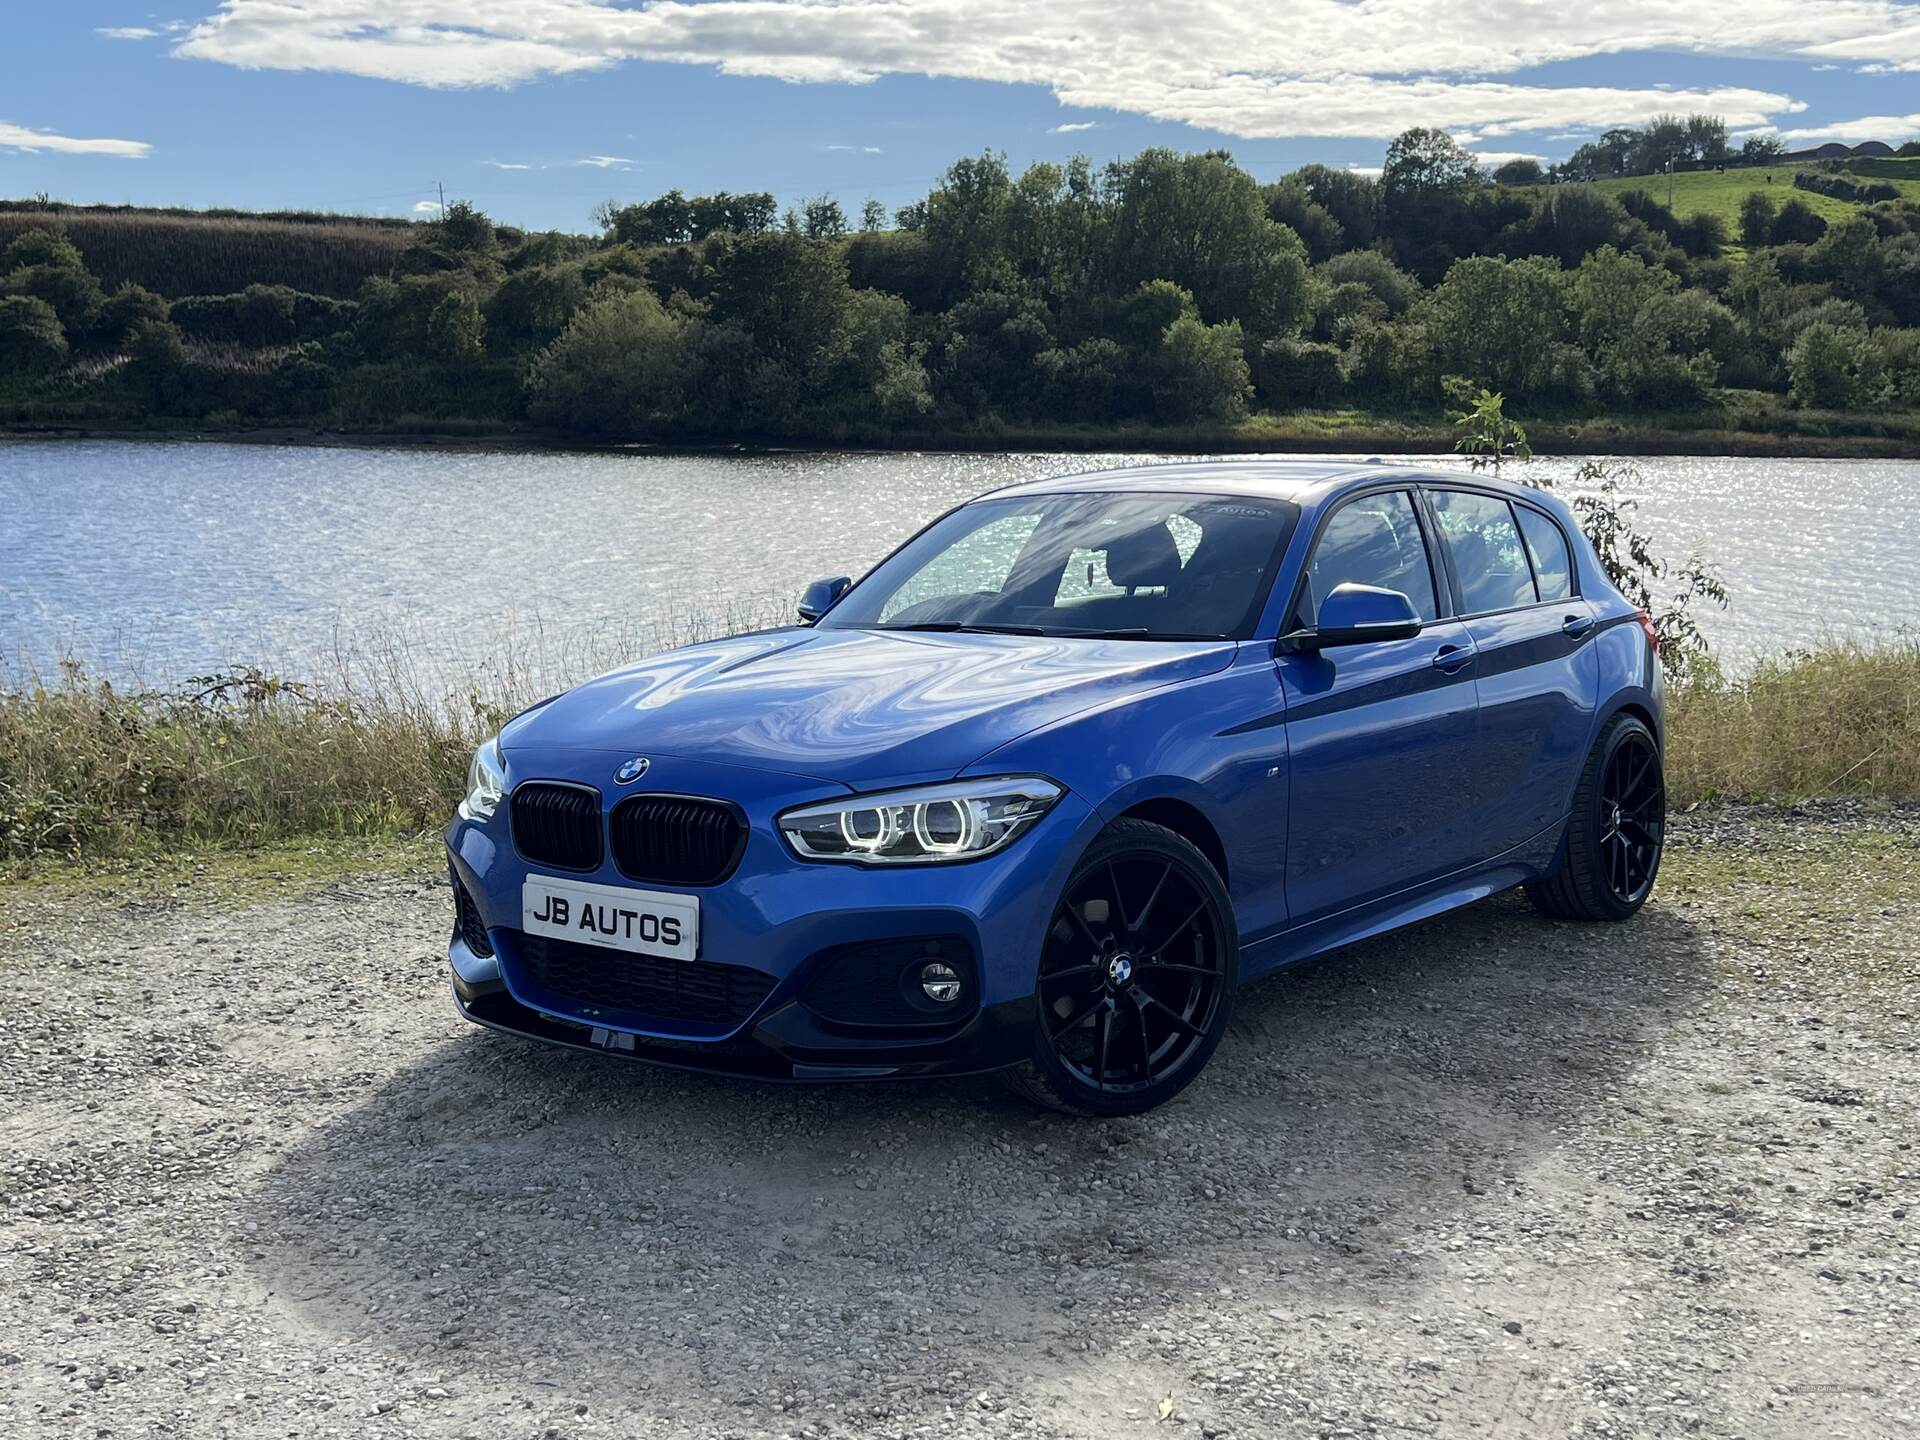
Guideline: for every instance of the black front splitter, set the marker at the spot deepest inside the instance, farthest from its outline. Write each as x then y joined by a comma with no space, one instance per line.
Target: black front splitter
997,1037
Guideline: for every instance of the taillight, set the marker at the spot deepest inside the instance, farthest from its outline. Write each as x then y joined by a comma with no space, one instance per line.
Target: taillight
1646,627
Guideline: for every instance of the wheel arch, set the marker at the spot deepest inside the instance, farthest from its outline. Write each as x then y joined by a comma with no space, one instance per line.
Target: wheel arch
1186,820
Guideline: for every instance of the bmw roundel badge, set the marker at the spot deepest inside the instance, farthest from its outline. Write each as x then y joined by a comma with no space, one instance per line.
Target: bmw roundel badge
631,770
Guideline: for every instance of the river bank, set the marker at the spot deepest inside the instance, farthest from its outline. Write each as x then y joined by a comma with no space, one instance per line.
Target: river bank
1781,435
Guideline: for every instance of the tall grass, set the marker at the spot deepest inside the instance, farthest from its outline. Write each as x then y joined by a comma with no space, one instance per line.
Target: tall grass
376,745
176,255
380,747
1840,719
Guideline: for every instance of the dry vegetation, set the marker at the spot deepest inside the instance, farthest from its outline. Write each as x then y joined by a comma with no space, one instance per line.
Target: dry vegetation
88,770
188,254
1843,719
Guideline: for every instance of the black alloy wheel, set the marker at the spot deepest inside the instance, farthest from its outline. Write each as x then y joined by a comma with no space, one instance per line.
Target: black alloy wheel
1137,976
1611,854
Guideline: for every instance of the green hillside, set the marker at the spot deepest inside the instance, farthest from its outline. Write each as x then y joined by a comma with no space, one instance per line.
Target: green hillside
1708,192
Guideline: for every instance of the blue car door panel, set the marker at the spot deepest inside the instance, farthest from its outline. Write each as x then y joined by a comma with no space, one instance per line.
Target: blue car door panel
1379,737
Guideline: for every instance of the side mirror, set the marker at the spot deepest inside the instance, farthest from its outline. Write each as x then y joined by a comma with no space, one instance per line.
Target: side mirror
1355,615
822,596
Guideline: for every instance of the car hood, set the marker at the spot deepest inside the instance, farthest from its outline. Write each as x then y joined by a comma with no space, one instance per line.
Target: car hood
860,707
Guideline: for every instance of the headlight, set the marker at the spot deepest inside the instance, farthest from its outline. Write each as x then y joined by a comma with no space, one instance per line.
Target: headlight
962,820
486,783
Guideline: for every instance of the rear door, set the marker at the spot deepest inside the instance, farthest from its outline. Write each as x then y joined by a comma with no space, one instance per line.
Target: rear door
1537,672
1379,735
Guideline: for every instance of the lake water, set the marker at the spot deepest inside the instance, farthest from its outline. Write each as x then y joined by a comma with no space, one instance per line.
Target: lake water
160,560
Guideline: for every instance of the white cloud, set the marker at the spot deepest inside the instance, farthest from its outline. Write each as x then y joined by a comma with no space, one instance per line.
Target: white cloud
127,32
853,149
426,207
19,137
1494,159
1891,128
1074,127
606,162
1334,68
506,165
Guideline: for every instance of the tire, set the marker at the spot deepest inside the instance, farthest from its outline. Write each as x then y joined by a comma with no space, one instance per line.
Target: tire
1138,972
1610,855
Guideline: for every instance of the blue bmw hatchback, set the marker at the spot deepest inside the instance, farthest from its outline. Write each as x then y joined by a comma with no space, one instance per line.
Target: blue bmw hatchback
1057,777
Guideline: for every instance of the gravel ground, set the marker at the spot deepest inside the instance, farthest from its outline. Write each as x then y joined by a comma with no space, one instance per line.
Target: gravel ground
1491,1177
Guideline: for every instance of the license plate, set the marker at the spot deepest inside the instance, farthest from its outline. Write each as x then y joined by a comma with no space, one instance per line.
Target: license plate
614,917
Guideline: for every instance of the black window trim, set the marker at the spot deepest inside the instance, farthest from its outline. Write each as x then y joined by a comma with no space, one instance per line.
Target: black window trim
1444,600
1429,488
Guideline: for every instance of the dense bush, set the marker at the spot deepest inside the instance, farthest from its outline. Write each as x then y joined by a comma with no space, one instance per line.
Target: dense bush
1843,187
1166,288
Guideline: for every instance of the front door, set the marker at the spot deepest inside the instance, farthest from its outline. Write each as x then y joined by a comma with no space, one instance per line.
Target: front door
1380,736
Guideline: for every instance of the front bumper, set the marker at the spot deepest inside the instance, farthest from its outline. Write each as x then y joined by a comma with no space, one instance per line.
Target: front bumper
783,917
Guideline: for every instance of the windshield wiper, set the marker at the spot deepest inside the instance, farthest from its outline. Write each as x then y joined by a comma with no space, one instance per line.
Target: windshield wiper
955,627
1136,633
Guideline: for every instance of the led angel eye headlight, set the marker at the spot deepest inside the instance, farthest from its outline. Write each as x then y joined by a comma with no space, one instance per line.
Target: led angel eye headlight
959,820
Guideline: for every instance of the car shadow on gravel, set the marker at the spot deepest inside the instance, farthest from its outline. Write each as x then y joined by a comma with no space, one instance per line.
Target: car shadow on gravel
648,1239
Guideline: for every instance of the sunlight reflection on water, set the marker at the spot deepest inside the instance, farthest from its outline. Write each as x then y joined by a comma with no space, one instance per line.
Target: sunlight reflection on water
162,559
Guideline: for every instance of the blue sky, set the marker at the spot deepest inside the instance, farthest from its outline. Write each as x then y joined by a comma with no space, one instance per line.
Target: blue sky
536,109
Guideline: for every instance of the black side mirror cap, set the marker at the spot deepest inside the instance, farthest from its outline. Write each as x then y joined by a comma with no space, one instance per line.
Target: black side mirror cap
821,596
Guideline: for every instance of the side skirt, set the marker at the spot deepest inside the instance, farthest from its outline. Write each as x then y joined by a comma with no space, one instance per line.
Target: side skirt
1526,861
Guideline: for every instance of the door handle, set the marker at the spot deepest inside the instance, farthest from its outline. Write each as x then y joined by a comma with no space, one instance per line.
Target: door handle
1576,626
1451,659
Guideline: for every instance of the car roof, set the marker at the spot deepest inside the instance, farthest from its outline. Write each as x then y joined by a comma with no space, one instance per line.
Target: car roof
1301,481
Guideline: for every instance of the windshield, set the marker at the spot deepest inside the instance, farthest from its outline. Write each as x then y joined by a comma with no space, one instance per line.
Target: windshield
1131,565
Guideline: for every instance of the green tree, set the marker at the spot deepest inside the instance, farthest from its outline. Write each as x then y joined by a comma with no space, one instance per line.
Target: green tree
457,329
873,216
1201,222
46,265
1521,170
126,308
823,219
32,341
790,294
1422,163
1644,347
1200,372
1835,367
1797,223
1498,323
615,370
1289,204
1756,219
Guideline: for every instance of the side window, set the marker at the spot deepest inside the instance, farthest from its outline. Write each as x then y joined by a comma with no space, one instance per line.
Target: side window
980,562
1487,553
1374,540
1547,547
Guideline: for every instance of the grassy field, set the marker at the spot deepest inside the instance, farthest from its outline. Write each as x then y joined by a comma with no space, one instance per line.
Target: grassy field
1707,192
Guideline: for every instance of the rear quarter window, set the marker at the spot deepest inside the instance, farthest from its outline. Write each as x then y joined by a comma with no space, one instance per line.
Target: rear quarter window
1547,548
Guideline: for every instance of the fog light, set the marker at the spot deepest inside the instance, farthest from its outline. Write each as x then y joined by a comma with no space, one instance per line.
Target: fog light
940,982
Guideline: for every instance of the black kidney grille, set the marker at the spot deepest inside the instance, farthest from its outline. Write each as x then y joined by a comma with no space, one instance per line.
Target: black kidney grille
466,920
676,840
557,825
645,984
